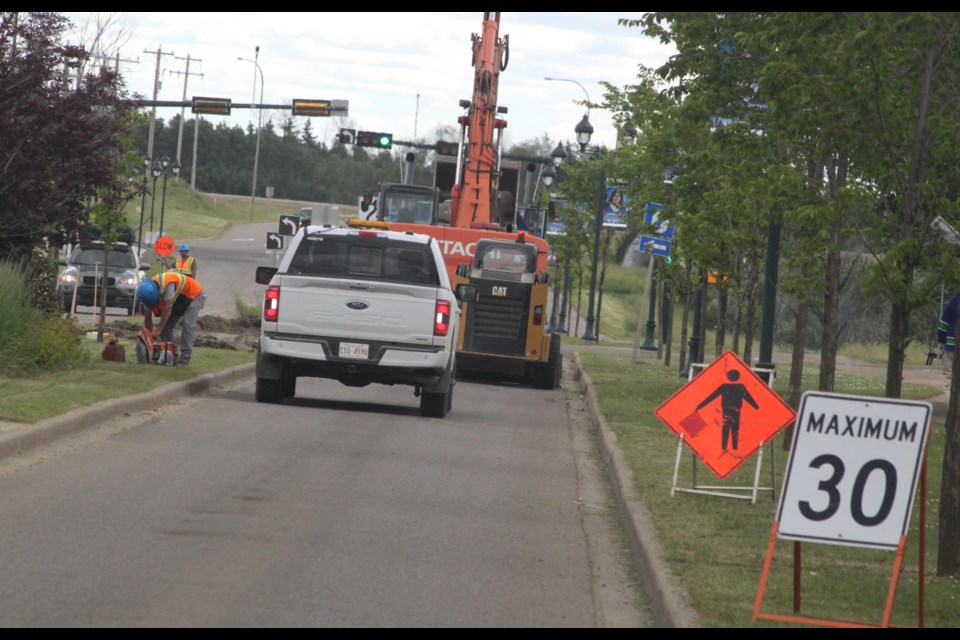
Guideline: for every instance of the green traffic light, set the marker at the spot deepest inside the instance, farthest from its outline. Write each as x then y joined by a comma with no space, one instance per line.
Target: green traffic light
385,141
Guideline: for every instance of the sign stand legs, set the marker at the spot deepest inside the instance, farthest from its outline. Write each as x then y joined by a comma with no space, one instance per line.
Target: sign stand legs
721,490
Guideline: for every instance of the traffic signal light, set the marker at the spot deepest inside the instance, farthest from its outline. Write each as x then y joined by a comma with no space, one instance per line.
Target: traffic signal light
311,107
446,148
374,139
212,106
347,136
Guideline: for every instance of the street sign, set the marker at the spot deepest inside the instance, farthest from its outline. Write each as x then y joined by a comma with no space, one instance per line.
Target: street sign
853,470
163,246
655,245
366,211
289,225
652,216
725,413
274,241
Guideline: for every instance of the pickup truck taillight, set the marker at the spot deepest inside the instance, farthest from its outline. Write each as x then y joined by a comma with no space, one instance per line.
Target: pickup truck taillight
441,321
271,304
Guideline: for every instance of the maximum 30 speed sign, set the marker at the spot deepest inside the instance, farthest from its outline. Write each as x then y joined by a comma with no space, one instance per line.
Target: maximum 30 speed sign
853,470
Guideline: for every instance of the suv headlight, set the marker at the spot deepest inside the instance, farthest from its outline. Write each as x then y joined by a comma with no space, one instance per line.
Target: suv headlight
129,278
68,276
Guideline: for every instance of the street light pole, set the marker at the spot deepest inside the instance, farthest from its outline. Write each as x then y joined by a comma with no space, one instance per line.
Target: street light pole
588,333
256,155
174,168
557,156
649,342
143,206
694,341
769,299
564,328
155,170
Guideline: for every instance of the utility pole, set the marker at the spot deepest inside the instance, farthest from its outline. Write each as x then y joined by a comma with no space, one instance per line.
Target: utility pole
156,89
116,60
153,112
186,77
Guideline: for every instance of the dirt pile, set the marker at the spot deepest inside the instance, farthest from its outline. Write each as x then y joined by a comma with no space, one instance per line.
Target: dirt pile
239,334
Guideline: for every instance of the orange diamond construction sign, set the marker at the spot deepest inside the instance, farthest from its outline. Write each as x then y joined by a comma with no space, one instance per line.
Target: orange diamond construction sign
725,414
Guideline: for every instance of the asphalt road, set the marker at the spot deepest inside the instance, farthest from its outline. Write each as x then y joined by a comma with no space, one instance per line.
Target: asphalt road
342,507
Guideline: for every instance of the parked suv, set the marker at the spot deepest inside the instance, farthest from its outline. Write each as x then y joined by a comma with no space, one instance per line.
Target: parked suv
84,274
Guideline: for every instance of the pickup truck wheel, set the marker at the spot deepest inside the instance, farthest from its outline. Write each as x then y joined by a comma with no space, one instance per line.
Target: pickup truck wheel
547,374
434,405
268,391
288,385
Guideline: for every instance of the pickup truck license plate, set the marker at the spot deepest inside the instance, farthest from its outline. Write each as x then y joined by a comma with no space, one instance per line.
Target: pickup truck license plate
354,350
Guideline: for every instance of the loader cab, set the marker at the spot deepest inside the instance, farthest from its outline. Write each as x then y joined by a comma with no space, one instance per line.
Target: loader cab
505,260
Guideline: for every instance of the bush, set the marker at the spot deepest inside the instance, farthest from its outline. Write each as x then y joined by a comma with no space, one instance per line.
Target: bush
29,338
56,343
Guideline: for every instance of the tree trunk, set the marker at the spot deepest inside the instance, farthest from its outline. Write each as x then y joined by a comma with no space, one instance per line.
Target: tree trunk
750,319
687,303
737,305
702,335
794,391
831,331
666,307
948,549
899,329
722,319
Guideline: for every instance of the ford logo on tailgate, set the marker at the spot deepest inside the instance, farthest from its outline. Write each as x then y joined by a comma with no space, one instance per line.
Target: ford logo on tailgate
357,305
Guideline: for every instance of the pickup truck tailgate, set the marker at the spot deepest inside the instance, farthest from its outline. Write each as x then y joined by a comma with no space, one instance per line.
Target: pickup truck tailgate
356,310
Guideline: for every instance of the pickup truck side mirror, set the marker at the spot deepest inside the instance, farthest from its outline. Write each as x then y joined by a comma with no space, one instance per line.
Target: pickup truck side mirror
265,274
467,292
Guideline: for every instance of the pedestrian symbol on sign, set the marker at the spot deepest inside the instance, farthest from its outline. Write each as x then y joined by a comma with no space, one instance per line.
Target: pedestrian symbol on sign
732,396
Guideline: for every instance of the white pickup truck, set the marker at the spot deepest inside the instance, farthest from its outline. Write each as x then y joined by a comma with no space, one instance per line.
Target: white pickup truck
361,306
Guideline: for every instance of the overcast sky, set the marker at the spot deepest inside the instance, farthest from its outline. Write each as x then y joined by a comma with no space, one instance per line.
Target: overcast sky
402,73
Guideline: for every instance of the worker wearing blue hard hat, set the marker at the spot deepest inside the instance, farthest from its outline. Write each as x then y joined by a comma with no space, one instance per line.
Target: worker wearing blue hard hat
186,263
171,296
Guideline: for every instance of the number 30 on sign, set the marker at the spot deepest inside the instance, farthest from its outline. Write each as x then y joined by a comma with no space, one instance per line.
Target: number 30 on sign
853,470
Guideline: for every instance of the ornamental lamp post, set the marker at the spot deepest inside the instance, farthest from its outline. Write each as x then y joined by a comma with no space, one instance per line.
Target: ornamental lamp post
584,131
557,156
548,177
168,167
155,170
143,204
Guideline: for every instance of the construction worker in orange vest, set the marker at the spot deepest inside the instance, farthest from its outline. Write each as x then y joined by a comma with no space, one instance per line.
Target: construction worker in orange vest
185,264
171,296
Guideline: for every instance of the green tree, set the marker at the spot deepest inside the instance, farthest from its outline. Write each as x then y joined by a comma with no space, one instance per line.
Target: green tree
60,136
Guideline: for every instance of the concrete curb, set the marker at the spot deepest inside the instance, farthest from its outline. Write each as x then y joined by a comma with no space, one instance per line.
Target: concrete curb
669,601
30,436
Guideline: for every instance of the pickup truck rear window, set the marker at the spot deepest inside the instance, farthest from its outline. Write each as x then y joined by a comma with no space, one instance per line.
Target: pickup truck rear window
365,258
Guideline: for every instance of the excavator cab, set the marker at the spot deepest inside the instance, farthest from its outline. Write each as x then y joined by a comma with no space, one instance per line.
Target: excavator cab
407,203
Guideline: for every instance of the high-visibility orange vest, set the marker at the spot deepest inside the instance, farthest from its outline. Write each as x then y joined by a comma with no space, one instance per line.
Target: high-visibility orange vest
185,285
185,266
